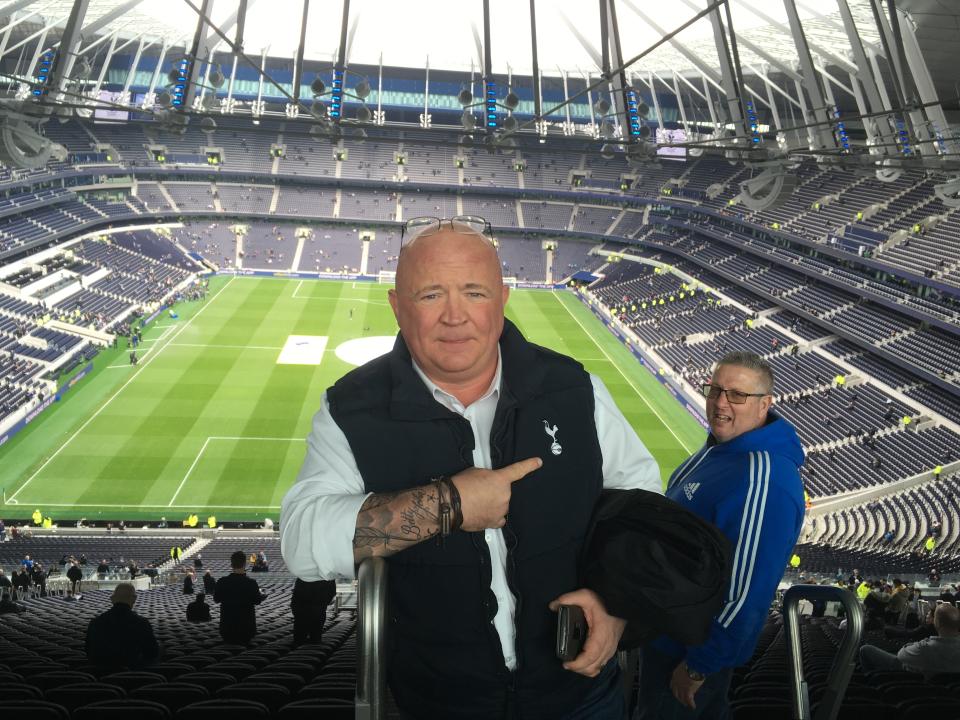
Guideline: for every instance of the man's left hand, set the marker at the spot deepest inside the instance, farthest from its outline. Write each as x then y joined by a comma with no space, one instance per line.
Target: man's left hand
683,687
603,632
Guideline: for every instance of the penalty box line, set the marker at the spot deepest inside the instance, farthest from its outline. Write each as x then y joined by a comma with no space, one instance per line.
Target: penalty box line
134,376
203,448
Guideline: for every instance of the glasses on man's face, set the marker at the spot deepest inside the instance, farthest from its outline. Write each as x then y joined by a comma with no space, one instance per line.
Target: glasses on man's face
467,224
734,397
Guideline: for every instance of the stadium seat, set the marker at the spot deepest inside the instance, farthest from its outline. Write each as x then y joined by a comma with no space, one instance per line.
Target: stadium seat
272,695
224,709
39,709
775,708
131,679
929,710
288,680
311,709
48,680
896,694
73,696
212,681
174,695
122,710
21,691
172,670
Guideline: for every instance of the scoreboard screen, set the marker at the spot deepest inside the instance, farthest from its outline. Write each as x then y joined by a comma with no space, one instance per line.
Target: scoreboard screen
668,136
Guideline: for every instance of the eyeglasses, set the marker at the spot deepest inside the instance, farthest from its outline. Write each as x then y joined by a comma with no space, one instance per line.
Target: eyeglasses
734,397
466,224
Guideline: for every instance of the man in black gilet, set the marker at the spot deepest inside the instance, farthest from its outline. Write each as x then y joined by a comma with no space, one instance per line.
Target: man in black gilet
471,459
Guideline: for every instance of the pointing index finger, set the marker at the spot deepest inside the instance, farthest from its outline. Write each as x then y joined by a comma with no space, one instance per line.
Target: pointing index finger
520,469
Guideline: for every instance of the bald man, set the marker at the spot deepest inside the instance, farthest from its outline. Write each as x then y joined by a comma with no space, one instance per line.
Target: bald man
470,459
930,656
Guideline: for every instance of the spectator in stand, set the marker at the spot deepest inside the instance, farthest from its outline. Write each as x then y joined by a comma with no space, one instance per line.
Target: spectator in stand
947,596
238,596
209,583
309,606
75,576
188,578
102,569
198,610
6,586
119,637
39,578
933,655
897,604
916,633
746,480
466,421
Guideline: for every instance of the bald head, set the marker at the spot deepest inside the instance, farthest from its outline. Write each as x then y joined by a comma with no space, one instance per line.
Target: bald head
449,302
947,620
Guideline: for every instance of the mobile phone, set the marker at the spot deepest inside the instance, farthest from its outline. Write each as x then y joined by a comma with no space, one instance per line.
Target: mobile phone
571,631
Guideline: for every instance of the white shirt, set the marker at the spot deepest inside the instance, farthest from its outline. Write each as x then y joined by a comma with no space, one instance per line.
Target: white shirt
319,513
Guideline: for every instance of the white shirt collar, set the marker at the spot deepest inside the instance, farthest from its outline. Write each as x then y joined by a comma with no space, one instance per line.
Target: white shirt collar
448,400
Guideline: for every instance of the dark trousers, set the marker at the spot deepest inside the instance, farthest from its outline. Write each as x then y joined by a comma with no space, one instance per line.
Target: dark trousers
656,702
604,702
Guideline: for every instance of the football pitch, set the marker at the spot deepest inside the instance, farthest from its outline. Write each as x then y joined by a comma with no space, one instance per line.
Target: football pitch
213,418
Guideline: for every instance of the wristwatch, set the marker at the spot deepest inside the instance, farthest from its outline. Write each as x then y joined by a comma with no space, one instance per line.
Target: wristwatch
693,674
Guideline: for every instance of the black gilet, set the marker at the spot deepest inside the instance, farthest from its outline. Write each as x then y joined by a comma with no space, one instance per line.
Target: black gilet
445,659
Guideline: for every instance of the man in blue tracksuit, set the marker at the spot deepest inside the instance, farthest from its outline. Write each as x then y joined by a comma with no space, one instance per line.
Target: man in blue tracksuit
745,480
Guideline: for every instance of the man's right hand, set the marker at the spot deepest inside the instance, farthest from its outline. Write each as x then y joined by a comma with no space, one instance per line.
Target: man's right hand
485,494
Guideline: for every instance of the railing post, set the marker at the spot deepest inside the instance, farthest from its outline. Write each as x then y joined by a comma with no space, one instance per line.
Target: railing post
371,634
843,664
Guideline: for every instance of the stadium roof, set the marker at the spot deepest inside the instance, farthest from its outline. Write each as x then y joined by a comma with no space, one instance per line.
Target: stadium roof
409,32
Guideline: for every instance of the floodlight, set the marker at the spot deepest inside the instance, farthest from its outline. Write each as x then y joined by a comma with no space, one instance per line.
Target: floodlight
362,90
318,109
165,99
465,140
174,75
364,114
643,110
317,86
208,101
511,100
608,151
602,106
644,131
208,124
510,124
465,97
358,134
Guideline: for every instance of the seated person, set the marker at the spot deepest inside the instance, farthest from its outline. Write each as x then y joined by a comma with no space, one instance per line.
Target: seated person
198,610
119,637
936,654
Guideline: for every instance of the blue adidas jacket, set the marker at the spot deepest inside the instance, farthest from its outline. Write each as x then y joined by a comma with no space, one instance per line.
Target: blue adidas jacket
750,488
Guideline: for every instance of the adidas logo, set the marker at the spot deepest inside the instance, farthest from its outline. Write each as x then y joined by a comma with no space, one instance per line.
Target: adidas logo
689,489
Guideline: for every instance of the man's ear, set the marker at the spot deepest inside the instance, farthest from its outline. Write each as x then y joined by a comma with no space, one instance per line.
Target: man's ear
392,297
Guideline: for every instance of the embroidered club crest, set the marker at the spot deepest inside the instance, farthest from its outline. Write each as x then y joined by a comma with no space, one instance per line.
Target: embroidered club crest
555,447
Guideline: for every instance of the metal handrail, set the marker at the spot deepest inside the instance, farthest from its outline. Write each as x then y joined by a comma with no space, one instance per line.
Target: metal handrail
843,664
371,635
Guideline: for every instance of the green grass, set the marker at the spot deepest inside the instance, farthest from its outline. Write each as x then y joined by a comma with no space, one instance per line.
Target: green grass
210,423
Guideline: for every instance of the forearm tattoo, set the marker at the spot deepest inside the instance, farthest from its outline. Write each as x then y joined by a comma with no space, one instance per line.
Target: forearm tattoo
390,522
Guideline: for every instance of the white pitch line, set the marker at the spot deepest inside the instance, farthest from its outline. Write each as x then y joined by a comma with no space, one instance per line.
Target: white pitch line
629,381
122,387
229,347
137,506
245,437
297,289
204,447
192,466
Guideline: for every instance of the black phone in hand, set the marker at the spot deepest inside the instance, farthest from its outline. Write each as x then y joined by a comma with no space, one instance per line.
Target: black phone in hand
571,631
